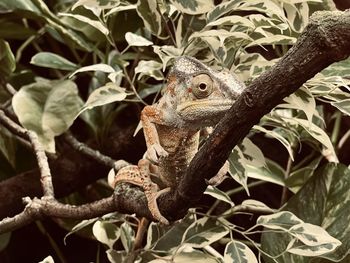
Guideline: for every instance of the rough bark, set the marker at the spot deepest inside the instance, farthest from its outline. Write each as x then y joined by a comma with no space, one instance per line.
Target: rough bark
325,40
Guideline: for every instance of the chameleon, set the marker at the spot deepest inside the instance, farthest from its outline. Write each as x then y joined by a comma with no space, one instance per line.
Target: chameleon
196,97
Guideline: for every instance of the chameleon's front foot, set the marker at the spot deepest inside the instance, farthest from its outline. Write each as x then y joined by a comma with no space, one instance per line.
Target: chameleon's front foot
156,152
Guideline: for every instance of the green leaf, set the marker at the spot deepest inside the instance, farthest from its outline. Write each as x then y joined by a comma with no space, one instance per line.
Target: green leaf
323,201
283,220
104,95
318,134
120,8
273,40
185,256
222,9
10,5
80,226
4,240
48,108
12,30
172,238
127,236
236,251
232,20
341,68
274,134
149,68
272,173
194,7
303,100
148,11
343,106
203,232
51,60
106,232
167,53
218,194
96,67
94,23
247,154
8,146
136,40
312,236
298,178
7,60
116,256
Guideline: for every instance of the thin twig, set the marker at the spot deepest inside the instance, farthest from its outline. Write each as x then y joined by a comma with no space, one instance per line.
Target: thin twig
45,173
94,154
38,208
10,89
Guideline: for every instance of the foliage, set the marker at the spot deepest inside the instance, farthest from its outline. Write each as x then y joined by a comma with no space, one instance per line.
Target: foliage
72,59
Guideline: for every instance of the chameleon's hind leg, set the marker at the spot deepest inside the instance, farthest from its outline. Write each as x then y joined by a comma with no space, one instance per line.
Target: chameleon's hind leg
140,175
152,191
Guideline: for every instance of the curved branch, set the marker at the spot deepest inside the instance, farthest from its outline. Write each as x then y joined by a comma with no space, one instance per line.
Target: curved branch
325,40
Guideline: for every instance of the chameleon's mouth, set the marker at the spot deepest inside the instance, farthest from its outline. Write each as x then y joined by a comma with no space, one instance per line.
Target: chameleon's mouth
194,110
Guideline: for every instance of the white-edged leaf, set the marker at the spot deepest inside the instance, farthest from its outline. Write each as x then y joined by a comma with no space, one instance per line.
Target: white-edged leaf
149,68
136,40
236,251
312,235
255,203
48,259
94,23
47,108
343,106
106,232
185,255
303,100
152,19
218,194
193,7
203,232
273,40
318,134
232,20
247,154
283,220
119,9
277,136
222,9
273,173
127,236
324,201
96,67
104,95
51,60
7,59
79,226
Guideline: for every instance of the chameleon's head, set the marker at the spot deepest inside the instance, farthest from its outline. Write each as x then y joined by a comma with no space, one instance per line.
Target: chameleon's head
202,95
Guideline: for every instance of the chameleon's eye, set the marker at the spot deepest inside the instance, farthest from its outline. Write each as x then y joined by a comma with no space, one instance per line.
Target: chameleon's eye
202,86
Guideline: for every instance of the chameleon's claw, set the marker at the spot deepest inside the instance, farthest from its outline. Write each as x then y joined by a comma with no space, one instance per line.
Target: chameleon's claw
153,206
155,153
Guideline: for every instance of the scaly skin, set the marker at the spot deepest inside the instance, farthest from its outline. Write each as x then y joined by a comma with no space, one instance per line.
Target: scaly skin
195,97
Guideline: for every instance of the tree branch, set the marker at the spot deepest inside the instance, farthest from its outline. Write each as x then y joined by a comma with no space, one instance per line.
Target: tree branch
325,40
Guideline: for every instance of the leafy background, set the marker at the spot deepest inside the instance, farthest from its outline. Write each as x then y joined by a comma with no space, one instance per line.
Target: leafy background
85,65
